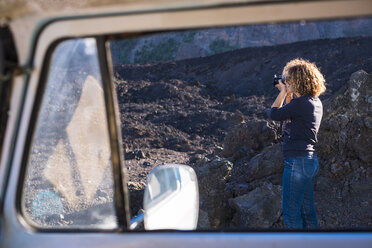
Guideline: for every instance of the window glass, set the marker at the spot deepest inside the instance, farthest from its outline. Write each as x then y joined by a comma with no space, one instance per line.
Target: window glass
69,179
202,97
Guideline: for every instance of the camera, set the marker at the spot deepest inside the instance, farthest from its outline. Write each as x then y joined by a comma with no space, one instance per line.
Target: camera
277,78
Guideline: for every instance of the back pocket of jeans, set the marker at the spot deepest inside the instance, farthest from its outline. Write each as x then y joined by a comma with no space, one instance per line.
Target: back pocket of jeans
309,167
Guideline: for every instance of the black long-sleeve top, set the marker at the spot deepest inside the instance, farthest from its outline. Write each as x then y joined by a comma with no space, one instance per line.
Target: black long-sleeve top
302,117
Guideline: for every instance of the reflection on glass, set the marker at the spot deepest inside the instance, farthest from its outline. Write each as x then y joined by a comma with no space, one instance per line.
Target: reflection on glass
69,180
162,184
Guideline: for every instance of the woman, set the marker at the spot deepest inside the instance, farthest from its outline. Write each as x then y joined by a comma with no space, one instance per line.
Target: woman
302,116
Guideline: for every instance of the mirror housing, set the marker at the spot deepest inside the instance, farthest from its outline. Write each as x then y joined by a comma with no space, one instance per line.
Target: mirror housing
171,198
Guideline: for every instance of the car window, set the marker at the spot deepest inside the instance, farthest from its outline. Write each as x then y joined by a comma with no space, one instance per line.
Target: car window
202,97
69,179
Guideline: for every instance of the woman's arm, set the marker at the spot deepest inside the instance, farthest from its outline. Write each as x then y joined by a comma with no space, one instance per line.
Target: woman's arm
279,112
279,99
282,94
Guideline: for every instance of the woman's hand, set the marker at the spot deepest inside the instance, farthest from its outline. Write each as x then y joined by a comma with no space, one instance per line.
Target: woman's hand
281,87
282,94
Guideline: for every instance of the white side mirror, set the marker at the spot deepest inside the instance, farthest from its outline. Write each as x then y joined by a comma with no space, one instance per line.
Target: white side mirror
171,198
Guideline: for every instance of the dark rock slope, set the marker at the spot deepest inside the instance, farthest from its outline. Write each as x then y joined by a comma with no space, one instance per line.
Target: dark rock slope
211,113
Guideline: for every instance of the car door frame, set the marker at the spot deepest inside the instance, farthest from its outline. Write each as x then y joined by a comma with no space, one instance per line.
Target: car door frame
17,232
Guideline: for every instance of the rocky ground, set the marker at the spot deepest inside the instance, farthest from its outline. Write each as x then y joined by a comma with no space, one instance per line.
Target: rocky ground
211,113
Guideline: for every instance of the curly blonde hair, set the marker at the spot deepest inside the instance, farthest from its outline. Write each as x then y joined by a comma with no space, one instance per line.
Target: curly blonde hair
304,77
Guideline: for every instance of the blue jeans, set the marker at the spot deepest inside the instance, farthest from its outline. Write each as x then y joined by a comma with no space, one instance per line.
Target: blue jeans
298,192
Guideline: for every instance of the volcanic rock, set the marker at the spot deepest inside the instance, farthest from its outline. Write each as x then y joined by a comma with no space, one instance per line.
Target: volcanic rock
260,208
